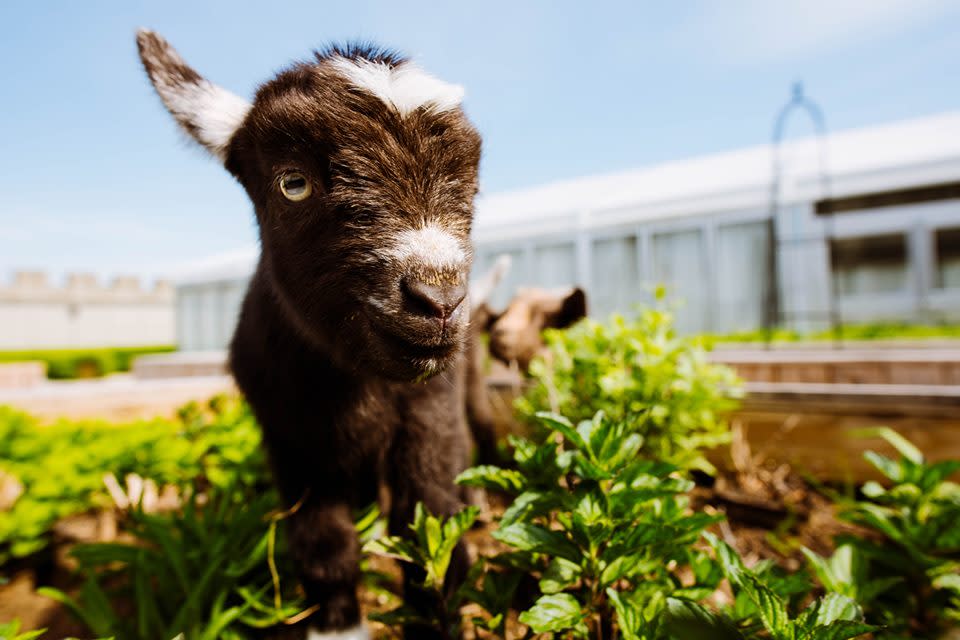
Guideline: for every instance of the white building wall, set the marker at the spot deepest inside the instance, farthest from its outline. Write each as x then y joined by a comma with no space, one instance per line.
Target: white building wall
36,315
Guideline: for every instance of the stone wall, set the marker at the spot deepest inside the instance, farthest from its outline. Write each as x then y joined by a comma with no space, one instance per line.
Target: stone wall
83,312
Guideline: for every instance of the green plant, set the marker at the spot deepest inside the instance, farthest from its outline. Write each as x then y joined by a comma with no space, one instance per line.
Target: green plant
11,631
907,573
61,466
834,617
84,363
872,331
640,373
603,531
430,548
212,570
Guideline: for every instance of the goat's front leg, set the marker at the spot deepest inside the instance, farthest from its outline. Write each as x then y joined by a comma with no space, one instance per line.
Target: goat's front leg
423,468
324,545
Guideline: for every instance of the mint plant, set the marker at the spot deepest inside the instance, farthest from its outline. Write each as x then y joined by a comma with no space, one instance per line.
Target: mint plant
431,549
907,574
639,373
212,571
834,617
603,531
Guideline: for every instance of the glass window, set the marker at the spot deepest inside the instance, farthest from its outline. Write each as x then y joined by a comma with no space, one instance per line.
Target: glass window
678,264
555,266
613,272
741,270
516,276
948,258
870,265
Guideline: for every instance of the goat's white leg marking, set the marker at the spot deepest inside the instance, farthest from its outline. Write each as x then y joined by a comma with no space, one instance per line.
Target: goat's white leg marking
358,632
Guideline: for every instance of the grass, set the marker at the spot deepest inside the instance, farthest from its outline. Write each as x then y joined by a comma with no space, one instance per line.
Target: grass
66,364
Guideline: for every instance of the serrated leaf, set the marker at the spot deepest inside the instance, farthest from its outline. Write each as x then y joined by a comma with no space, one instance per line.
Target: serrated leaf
529,505
564,427
491,477
393,547
840,630
555,613
531,537
835,607
772,610
559,575
691,621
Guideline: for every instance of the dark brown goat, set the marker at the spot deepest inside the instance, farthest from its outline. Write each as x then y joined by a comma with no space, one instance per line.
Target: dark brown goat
362,170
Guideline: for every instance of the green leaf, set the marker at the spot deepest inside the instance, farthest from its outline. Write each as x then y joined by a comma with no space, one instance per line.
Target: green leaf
835,607
393,547
555,613
890,468
491,477
563,426
903,446
529,505
691,621
559,575
538,539
772,610
840,630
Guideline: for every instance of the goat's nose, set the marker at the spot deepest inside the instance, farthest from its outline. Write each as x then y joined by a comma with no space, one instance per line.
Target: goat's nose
433,300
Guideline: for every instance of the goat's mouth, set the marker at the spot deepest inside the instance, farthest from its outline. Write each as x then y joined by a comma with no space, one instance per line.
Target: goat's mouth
417,350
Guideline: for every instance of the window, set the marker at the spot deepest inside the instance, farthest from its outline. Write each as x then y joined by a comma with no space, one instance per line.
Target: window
741,276
869,265
555,265
614,274
678,264
517,275
948,258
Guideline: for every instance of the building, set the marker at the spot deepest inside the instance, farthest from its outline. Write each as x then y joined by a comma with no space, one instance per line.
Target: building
878,240
35,314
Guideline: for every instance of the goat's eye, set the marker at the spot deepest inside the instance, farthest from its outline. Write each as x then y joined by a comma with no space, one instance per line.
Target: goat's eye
295,186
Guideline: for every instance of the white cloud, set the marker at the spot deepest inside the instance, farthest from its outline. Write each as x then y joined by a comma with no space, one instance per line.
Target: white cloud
751,31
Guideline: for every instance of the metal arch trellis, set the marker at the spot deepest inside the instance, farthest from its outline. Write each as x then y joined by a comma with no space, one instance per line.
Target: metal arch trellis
773,313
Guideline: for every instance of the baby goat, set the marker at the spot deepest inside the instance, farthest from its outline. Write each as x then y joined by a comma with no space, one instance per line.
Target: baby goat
362,170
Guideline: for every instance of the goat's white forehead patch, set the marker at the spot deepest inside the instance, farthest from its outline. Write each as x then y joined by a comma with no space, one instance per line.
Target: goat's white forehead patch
430,246
406,86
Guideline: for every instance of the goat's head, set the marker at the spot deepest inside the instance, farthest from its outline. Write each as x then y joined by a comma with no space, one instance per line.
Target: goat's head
362,170
515,333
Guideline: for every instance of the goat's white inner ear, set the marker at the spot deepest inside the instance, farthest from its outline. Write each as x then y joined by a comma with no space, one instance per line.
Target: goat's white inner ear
210,114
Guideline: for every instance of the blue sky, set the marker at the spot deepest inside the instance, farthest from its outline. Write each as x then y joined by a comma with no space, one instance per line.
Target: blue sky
94,175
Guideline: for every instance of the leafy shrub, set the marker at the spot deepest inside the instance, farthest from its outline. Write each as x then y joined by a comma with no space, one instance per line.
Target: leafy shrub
63,364
834,617
61,465
209,571
431,549
907,574
11,631
612,546
641,374
872,331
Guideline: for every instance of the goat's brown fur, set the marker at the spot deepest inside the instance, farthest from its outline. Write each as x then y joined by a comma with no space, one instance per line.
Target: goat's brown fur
356,375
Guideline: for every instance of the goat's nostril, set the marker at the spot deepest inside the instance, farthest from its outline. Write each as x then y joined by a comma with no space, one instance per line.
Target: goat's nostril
433,300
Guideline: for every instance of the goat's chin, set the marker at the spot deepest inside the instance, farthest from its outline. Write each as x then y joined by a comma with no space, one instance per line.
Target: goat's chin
411,355
402,360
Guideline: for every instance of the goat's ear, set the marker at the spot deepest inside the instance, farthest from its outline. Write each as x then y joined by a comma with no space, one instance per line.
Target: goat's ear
208,113
573,308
